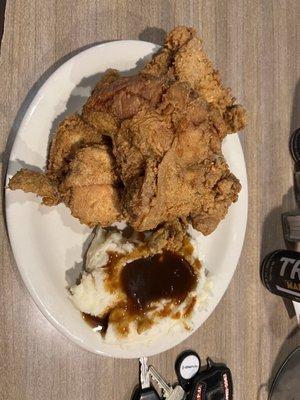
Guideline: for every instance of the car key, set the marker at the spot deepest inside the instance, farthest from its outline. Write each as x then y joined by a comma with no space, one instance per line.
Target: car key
187,366
170,393
144,391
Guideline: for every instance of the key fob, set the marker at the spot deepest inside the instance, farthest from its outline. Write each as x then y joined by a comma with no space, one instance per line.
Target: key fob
214,383
145,394
198,390
187,366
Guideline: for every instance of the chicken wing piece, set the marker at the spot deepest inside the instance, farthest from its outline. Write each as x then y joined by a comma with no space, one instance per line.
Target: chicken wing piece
38,183
71,134
90,187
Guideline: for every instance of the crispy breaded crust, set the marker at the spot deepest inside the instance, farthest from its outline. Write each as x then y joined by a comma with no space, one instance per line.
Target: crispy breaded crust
184,59
72,133
147,147
95,205
36,182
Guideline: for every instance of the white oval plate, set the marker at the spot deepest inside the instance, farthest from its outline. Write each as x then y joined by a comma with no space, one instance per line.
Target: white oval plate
48,242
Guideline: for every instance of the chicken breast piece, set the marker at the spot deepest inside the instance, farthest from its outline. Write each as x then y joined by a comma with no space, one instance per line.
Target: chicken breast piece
91,165
90,187
95,205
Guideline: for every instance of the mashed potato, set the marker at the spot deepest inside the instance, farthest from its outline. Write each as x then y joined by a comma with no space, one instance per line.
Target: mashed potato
91,296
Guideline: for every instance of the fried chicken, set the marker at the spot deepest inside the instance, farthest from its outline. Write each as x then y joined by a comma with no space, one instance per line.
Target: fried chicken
90,187
147,148
72,133
36,182
111,103
183,58
171,163
81,173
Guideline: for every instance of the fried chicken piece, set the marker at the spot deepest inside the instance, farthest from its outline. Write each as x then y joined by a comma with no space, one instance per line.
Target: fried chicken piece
166,127
138,140
207,218
183,58
90,187
81,173
95,205
35,182
71,134
91,165
109,77
187,175
112,103
161,63
170,236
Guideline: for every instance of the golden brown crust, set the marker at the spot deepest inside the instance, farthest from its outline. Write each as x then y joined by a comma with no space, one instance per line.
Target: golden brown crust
161,64
71,134
36,182
184,59
187,175
95,205
178,37
122,99
90,187
91,165
147,147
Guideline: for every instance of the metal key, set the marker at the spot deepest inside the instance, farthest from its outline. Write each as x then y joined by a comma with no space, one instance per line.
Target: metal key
144,391
144,373
176,393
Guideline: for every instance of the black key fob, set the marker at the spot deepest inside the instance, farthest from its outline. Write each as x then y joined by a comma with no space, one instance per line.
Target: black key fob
198,390
187,366
145,394
214,383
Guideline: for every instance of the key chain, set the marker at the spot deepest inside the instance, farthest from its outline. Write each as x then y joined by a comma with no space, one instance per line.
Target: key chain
144,391
187,365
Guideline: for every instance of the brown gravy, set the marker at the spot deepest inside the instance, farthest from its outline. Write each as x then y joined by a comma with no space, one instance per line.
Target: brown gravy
97,324
163,276
166,276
